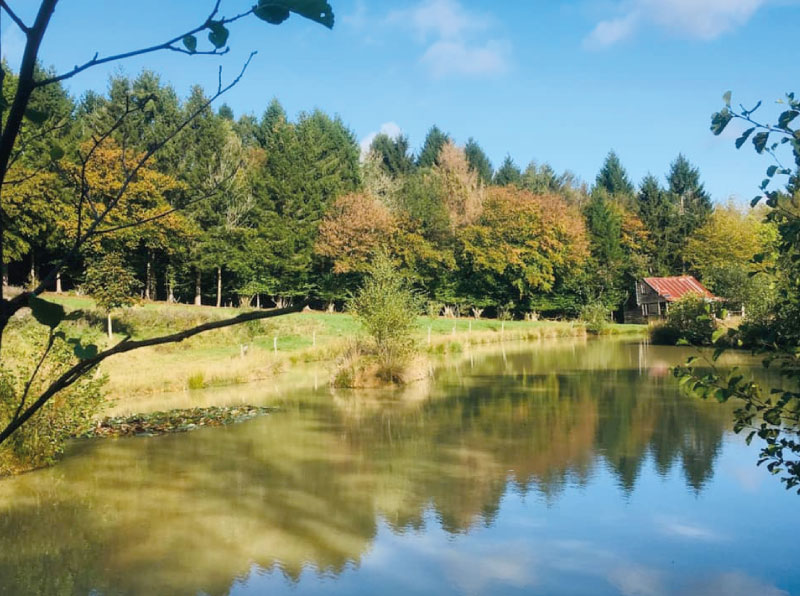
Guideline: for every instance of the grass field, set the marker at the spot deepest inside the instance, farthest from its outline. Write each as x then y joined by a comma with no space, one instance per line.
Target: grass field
261,349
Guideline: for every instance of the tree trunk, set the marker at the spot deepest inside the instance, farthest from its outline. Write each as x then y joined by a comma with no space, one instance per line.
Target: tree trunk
58,283
32,274
110,335
219,287
148,275
5,275
258,300
197,296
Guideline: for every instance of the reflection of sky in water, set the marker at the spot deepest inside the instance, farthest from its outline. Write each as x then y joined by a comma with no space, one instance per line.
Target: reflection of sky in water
659,541
572,468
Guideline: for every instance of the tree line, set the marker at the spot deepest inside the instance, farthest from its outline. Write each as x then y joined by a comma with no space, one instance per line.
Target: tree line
262,210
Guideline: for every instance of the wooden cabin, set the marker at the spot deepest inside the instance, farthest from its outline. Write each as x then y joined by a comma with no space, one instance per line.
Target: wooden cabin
654,295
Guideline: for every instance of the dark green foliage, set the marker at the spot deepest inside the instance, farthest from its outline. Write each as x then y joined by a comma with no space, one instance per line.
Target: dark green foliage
690,201
306,166
478,161
434,141
394,154
613,178
659,215
604,224
225,112
508,173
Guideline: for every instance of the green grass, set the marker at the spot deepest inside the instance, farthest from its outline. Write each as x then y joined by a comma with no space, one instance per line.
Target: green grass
245,352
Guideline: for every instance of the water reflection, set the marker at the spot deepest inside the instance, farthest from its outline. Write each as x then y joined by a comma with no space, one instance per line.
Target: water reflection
324,486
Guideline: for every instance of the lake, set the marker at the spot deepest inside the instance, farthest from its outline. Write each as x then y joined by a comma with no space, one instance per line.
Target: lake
569,467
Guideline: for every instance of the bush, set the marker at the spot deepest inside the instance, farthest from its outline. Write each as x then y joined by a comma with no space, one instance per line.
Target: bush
41,440
387,307
690,320
597,317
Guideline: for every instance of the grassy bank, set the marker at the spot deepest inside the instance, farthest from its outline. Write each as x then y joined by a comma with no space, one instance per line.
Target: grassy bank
261,349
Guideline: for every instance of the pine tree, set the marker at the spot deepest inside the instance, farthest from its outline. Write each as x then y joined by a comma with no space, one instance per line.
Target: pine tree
508,173
692,203
305,167
273,117
479,161
658,214
393,154
429,155
614,179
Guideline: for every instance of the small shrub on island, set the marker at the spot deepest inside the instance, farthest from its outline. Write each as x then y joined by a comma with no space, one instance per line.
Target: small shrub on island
689,320
596,316
387,308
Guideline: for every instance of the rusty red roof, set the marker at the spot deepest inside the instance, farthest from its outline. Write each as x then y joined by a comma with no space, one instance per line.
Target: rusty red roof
674,288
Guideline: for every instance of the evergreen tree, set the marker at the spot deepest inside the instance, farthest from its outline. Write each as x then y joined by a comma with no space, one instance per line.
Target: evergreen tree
614,179
273,117
393,154
605,233
225,112
508,173
429,155
305,167
479,161
658,214
692,203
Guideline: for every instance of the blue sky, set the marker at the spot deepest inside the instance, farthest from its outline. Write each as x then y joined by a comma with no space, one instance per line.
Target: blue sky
552,81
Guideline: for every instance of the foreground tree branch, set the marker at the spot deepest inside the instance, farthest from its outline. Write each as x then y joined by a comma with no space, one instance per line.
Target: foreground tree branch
127,345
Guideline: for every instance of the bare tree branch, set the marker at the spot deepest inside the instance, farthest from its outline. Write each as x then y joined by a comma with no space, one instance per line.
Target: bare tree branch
85,366
14,17
167,45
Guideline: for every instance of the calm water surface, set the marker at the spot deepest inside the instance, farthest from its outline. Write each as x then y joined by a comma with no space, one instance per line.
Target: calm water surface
566,468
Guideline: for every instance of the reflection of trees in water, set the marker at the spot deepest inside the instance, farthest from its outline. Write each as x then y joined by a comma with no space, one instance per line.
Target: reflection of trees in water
305,488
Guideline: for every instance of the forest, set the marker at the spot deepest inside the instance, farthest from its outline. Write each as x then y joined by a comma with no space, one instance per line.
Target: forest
263,210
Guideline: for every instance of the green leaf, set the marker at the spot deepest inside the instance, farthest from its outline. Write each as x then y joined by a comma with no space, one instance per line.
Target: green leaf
218,34
46,313
272,14
190,43
785,119
771,171
760,141
36,116
277,11
756,201
727,98
56,152
742,139
720,120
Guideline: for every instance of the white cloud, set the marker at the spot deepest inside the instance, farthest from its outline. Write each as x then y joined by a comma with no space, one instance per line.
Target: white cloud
390,129
734,584
444,19
456,57
455,39
673,526
697,19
